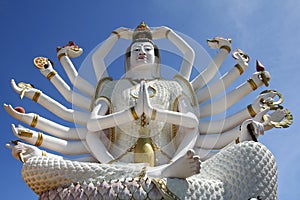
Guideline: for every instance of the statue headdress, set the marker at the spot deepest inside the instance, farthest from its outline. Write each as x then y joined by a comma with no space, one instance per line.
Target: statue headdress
142,32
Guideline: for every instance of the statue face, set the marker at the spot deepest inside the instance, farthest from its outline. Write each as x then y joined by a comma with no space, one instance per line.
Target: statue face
141,53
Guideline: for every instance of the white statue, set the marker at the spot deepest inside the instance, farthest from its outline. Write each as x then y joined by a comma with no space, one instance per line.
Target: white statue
143,125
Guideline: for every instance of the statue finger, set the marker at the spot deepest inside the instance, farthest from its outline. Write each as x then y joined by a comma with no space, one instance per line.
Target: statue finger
17,112
260,115
15,86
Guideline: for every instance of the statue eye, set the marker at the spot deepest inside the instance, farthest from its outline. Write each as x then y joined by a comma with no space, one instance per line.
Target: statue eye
136,49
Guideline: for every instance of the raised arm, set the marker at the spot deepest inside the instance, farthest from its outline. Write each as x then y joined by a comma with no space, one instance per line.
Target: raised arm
102,51
65,90
183,46
220,85
224,46
71,50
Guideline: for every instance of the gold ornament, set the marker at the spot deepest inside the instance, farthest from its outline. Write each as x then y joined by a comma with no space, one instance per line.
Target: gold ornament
24,87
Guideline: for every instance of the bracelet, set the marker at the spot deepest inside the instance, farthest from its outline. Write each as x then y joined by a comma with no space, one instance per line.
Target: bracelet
116,33
51,74
61,55
251,110
153,115
133,113
252,84
36,96
34,120
44,153
239,67
39,140
226,48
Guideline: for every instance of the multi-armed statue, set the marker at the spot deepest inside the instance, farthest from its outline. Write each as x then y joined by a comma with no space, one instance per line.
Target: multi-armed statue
144,136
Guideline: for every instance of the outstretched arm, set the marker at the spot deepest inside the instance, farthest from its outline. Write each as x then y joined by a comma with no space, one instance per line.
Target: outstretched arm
62,146
50,104
228,100
23,152
46,125
219,126
219,141
183,46
100,54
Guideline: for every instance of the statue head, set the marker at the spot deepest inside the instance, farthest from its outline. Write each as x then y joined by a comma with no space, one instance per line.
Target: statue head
142,50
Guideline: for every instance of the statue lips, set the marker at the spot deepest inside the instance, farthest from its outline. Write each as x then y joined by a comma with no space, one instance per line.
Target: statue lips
142,57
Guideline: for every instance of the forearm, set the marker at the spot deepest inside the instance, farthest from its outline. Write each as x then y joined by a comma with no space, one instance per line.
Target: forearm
65,90
187,52
75,79
188,120
211,69
217,141
101,122
219,126
231,98
57,108
220,85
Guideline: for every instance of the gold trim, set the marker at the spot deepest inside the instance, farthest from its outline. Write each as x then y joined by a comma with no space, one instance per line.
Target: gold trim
61,55
143,172
251,110
156,148
116,33
190,87
239,67
112,135
36,95
39,139
226,48
237,140
285,123
174,108
25,134
44,153
99,84
153,114
51,74
133,113
164,190
34,120
252,84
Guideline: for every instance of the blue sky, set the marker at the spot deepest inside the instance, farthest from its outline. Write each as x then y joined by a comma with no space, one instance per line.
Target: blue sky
266,30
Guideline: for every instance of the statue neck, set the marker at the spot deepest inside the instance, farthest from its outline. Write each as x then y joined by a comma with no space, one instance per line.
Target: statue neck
142,73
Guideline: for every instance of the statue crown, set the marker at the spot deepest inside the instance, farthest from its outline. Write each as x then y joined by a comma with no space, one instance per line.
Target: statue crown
141,32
